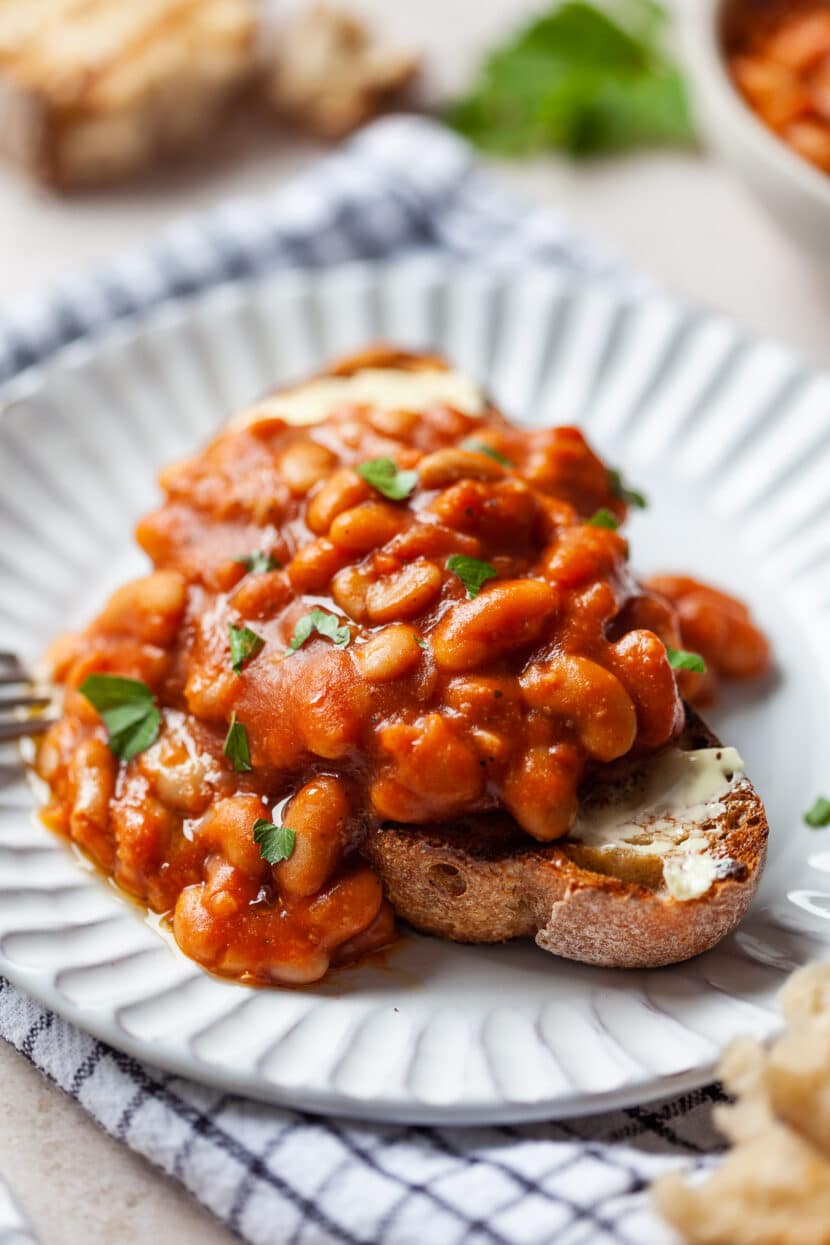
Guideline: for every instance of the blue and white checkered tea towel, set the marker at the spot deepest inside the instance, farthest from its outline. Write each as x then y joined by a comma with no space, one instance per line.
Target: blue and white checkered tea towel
273,1175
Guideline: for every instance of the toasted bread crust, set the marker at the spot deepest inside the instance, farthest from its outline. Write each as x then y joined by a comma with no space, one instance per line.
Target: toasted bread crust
482,880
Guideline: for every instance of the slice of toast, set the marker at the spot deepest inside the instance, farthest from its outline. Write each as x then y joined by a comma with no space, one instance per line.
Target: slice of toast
96,90
641,880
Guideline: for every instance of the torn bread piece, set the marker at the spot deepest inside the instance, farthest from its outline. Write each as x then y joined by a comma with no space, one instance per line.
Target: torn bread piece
94,91
773,1187
331,74
662,862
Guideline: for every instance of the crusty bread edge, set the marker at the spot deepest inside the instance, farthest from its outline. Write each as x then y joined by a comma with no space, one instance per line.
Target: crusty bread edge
627,926
447,882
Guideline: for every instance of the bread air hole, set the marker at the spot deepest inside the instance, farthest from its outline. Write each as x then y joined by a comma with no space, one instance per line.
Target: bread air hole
447,879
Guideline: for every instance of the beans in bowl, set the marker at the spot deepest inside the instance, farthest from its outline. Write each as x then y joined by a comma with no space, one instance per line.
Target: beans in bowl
779,57
373,599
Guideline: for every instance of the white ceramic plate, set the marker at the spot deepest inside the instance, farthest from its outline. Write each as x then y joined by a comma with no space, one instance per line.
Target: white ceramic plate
731,440
14,1230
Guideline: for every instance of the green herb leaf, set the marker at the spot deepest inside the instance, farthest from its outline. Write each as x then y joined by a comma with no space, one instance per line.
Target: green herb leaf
422,643
236,747
324,624
479,447
276,843
137,736
620,489
819,814
245,644
680,659
579,80
472,572
128,710
258,562
604,518
385,475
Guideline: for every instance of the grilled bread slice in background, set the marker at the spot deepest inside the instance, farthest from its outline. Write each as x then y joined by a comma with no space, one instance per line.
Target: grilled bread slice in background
668,883
95,90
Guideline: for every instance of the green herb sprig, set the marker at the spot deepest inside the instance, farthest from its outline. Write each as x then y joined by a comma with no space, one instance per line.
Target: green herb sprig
681,659
323,624
481,447
388,478
236,747
472,572
128,710
258,562
618,486
580,80
245,644
819,814
275,843
604,518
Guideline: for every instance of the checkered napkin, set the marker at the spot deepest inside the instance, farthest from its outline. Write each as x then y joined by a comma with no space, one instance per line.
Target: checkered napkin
275,1175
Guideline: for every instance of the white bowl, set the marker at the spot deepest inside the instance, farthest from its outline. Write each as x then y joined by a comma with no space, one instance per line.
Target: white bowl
795,192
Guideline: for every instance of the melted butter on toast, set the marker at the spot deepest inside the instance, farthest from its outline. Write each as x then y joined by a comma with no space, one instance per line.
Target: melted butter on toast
387,388
659,826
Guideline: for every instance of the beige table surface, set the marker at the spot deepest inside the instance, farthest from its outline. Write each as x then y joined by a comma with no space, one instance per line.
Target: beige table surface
680,217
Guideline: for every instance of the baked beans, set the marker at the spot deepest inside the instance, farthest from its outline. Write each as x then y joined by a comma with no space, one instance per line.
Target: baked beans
779,55
455,639
717,626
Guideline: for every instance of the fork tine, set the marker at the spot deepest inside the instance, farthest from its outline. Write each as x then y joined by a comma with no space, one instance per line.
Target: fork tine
10,775
13,672
21,727
24,702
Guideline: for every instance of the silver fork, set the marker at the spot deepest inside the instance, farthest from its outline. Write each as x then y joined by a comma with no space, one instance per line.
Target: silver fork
15,724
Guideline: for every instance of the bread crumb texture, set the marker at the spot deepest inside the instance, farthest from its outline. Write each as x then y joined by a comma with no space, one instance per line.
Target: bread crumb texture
773,1187
331,73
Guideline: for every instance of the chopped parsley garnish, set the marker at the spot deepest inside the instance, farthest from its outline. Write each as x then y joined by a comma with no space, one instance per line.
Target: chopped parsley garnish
275,843
388,478
422,643
236,747
631,496
819,814
580,78
324,624
472,572
604,518
245,644
680,659
479,447
258,562
128,710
